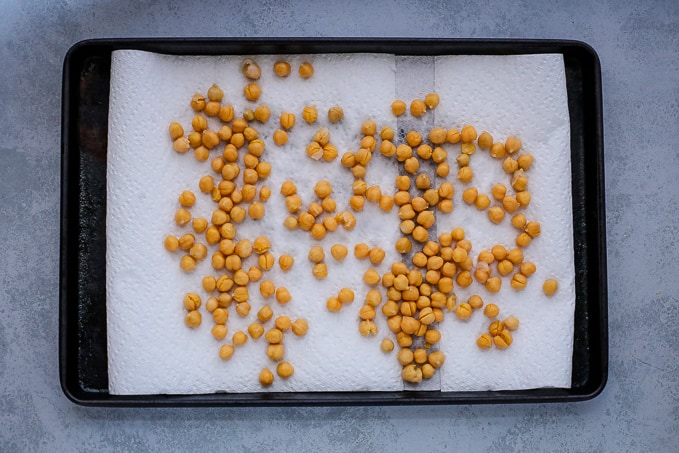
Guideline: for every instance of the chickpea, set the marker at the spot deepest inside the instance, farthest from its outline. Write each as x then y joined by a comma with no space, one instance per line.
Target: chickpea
482,202
335,114
533,229
523,240
275,351
293,203
505,267
527,268
280,137
515,255
333,304
371,277
496,214
366,312
463,160
509,165
412,373
299,327
285,262
403,245
274,336
518,281
316,254
357,202
252,91
413,138
226,352
463,311
511,323
387,345
386,203
239,338
550,287
320,271
376,255
465,174
519,180
469,195
187,263
503,340
287,120
525,161
283,295
411,165
493,284
306,70
346,219
420,234
181,145
405,356
171,243
266,377
193,319
367,327
281,68
255,210
485,341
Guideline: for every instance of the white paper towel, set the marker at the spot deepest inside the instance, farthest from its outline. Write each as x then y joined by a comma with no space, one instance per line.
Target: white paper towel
150,349
525,96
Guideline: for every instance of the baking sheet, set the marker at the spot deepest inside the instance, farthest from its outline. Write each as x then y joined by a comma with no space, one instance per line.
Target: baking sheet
84,156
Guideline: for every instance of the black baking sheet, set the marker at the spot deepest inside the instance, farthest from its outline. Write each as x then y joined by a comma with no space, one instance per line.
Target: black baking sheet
82,342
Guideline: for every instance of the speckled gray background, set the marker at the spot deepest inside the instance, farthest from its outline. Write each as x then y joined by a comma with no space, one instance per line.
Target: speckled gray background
638,43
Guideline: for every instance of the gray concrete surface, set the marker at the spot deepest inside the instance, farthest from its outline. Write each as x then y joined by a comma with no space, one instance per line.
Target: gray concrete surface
638,43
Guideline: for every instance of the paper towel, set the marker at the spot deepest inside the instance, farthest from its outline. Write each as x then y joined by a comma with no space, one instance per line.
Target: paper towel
150,349
525,96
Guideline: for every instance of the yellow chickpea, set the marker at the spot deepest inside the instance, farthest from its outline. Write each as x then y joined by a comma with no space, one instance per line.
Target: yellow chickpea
320,271
345,296
285,262
550,287
511,323
281,68
275,352
193,319
482,202
493,284
266,377
376,255
496,214
509,165
226,351
371,277
465,174
187,263
287,120
283,295
512,144
335,114
333,304
468,134
252,91
432,100
523,240
299,327
285,370
280,137
527,268
418,107
491,310
525,161
387,345
403,245
306,70
485,341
